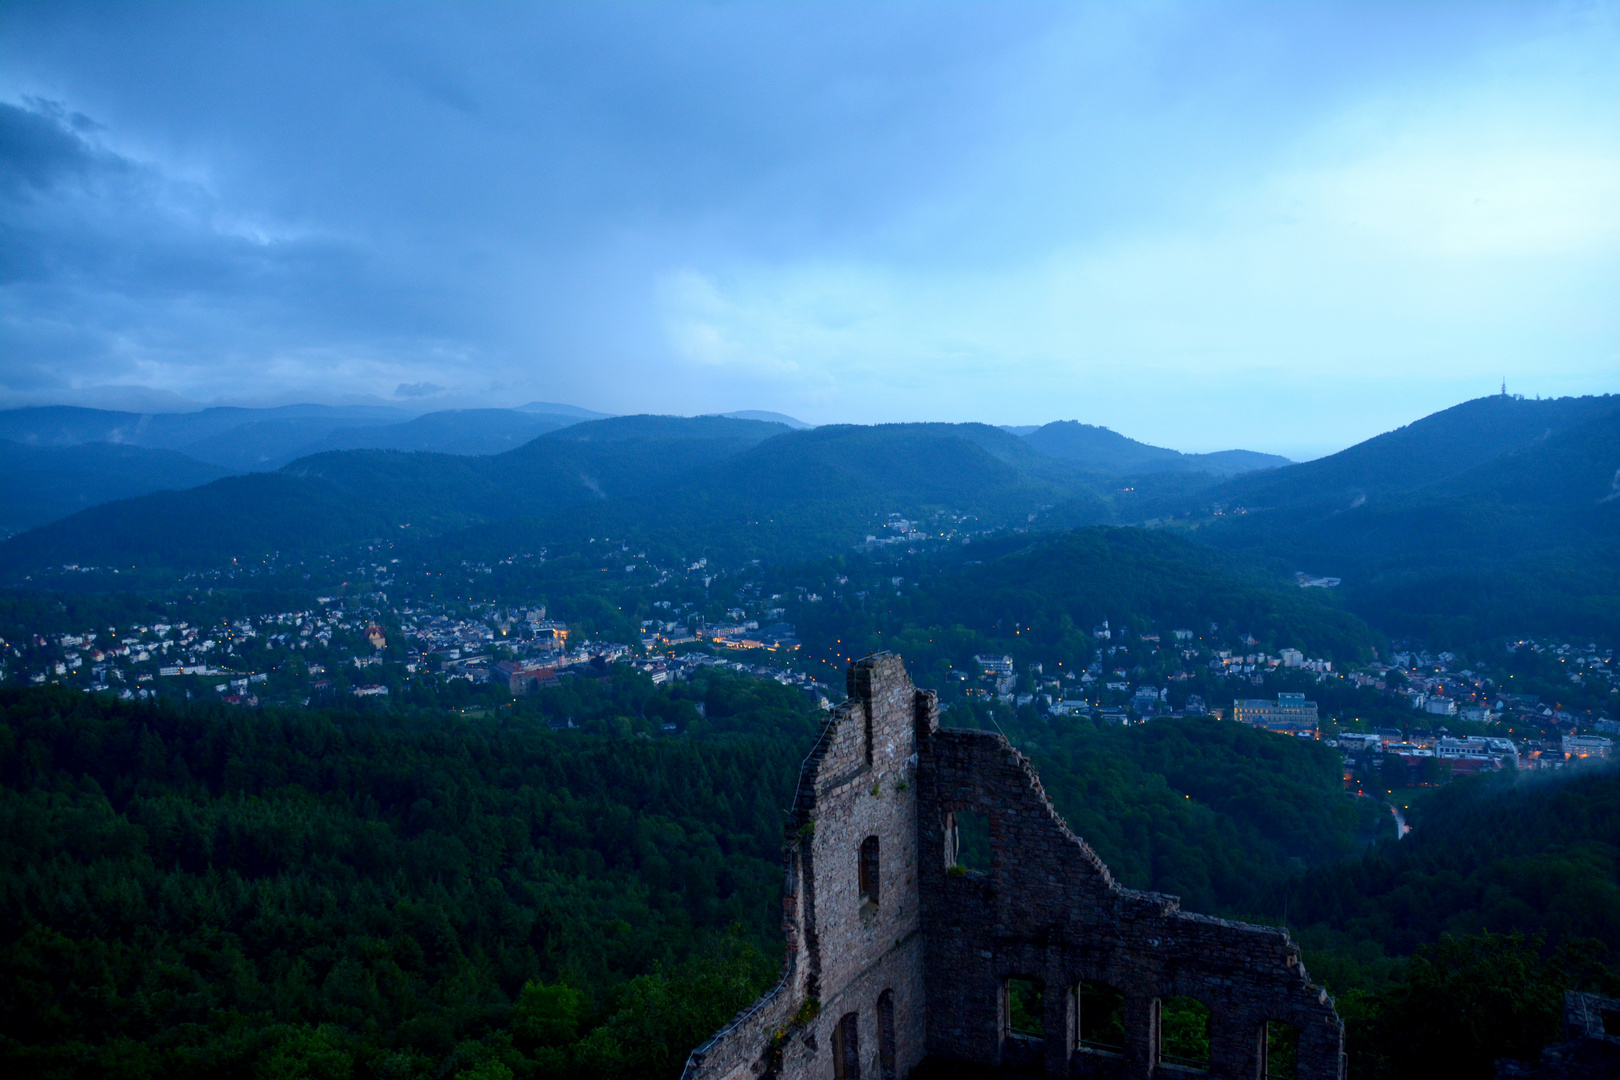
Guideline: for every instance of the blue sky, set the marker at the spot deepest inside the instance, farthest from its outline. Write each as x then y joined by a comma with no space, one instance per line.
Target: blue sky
1279,226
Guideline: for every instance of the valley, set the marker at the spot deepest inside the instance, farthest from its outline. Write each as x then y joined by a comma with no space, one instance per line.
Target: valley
1225,680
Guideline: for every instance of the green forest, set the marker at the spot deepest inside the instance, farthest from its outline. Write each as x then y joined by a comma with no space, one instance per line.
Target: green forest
197,892
191,890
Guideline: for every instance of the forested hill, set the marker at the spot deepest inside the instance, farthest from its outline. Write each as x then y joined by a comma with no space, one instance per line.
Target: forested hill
1498,517
744,486
197,891
820,491
1531,853
1108,451
257,439
322,503
45,483
1427,451
1452,949
193,890
201,892
1040,597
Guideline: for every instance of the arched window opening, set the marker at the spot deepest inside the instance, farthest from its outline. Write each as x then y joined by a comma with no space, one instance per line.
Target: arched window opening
1281,1051
1026,1012
967,842
870,870
885,1014
1184,1032
847,1048
1102,1018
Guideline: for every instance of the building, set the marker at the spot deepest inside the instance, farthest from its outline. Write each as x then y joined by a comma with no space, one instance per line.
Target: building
996,667
1476,747
896,953
1147,699
524,679
1357,742
1587,746
1289,712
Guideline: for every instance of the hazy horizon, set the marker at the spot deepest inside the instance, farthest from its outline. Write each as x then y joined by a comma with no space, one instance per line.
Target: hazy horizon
1285,229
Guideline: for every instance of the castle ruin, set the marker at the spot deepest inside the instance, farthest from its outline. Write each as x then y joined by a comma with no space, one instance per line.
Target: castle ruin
896,954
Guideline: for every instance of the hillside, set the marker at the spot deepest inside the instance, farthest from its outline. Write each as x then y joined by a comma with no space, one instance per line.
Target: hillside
327,501
44,483
244,440
1535,854
1425,452
367,890
453,431
354,888
743,488
63,425
1038,598
1434,532
1093,447
804,494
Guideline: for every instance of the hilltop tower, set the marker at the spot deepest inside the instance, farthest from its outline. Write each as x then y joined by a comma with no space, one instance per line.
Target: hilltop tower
896,954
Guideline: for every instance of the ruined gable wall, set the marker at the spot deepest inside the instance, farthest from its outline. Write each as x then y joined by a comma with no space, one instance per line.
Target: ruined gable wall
943,944
1049,910
844,954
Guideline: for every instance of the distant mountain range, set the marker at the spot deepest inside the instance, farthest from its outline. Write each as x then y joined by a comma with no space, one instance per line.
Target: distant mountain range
243,440
1500,511
772,417
46,483
50,482
1099,448
716,483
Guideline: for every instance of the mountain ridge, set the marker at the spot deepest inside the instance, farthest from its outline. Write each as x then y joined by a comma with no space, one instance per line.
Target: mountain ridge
1102,448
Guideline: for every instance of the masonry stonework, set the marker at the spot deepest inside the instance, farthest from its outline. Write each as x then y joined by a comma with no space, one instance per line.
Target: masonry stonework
884,970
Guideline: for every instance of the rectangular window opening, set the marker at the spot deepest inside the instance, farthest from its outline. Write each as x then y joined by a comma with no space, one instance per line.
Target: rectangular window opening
967,842
1184,1032
870,870
1102,1018
1282,1050
1026,1012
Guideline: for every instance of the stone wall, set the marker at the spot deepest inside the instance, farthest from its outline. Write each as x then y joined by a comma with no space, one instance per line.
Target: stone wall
938,945
845,952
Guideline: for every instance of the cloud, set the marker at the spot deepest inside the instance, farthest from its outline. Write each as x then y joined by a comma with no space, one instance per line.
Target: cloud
38,151
1153,216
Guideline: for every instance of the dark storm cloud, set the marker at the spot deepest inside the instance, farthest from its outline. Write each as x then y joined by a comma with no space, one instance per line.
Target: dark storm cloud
114,266
1133,214
40,148
359,198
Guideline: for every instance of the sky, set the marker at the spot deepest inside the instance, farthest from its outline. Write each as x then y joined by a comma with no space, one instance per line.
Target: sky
1284,227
